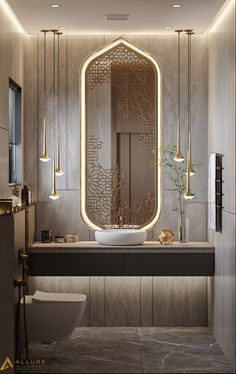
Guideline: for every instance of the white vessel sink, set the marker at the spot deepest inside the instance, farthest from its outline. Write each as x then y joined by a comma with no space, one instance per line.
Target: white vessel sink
120,236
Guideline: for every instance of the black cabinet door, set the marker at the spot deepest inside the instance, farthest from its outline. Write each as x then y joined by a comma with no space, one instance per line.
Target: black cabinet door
169,264
75,264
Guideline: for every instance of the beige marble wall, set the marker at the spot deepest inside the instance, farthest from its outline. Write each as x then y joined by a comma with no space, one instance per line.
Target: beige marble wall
11,65
222,139
73,50
117,301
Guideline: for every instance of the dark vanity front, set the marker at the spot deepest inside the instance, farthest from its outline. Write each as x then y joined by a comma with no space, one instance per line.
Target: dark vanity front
149,259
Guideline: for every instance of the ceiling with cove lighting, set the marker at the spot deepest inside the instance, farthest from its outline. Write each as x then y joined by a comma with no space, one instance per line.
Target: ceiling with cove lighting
145,16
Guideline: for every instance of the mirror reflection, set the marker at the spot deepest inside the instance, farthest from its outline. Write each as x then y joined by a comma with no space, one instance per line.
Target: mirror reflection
121,94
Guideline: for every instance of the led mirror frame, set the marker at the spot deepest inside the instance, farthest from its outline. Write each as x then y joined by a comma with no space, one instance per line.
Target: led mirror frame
83,129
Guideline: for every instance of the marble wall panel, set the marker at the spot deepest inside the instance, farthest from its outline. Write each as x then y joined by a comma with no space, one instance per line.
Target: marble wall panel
74,48
179,301
195,212
61,217
122,301
221,138
67,285
97,301
146,300
78,48
32,148
4,191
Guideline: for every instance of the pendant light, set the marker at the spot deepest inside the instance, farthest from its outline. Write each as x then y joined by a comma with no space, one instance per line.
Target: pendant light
178,157
54,194
44,157
188,195
190,166
59,170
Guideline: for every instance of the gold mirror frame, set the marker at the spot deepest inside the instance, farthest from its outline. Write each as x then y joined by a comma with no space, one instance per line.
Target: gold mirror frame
84,135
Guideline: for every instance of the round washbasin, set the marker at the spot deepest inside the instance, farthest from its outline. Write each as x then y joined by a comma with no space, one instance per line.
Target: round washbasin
120,236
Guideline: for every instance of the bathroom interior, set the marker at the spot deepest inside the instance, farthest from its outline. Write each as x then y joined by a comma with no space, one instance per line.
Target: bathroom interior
117,186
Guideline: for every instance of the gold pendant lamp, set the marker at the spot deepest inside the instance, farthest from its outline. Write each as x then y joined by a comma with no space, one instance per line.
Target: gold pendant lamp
188,195
190,165
44,157
59,170
178,157
54,194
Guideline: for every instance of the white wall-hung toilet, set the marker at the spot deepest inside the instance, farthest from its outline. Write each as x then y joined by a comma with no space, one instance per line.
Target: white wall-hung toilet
51,317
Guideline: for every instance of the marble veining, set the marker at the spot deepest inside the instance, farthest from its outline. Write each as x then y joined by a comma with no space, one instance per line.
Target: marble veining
132,350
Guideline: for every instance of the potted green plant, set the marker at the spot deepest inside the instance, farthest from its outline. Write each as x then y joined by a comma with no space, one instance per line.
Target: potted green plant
176,173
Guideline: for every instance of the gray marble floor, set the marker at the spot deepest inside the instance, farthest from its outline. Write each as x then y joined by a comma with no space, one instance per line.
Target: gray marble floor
131,350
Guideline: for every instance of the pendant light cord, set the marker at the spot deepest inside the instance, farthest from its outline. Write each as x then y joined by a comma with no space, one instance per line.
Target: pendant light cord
58,85
179,75
54,78
189,85
44,73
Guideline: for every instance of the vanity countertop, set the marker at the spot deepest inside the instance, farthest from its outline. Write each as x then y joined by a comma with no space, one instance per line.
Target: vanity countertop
149,259
146,247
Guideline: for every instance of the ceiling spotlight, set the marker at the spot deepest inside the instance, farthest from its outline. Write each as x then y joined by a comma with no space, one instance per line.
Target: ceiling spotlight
55,5
176,5
168,27
62,27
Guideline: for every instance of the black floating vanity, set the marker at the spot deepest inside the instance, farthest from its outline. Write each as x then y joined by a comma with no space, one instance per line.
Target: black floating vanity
149,259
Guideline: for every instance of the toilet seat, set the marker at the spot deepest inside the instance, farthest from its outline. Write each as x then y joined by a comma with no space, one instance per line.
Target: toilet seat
48,297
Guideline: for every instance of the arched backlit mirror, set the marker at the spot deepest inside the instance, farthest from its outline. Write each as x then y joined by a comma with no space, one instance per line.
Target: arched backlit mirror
120,137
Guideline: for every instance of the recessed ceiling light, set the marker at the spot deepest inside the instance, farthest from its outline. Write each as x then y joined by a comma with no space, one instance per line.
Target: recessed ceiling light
176,5
55,5
168,27
116,17
62,27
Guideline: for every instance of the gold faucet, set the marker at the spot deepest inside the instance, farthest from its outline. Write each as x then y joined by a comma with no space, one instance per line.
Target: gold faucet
121,217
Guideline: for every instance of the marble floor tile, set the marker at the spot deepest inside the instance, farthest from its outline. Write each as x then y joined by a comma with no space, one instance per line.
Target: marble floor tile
191,350
133,350
37,351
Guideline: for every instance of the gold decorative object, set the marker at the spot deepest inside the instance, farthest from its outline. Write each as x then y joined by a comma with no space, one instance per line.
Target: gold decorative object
178,157
59,170
44,157
190,170
166,237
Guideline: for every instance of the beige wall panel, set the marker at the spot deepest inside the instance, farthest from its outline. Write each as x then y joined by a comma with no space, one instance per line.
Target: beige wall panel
221,134
97,301
61,181
66,284
179,301
31,145
4,166
146,301
61,217
195,212
122,301
78,48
